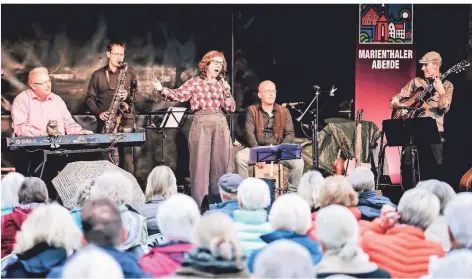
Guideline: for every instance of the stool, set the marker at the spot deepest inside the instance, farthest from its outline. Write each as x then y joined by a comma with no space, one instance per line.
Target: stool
271,171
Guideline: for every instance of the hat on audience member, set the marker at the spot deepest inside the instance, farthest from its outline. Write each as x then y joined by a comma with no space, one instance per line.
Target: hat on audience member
230,182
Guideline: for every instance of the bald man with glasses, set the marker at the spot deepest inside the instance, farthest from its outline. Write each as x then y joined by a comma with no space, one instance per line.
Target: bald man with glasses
33,108
269,124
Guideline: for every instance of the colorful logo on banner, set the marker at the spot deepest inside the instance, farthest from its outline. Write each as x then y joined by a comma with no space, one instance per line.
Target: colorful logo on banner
386,24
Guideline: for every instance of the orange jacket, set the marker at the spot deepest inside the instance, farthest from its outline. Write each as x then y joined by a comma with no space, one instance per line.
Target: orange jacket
402,250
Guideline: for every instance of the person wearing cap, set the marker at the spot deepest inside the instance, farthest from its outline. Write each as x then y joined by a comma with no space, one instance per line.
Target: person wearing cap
228,186
436,107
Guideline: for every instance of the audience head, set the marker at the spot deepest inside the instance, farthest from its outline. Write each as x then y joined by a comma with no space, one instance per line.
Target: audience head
33,190
52,224
92,262
253,194
284,259
337,190
177,217
101,222
441,189
337,231
309,188
458,215
290,212
11,184
362,179
161,181
113,185
418,207
228,184
456,264
217,233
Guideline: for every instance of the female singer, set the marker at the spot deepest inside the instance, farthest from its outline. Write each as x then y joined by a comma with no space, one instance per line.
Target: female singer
209,140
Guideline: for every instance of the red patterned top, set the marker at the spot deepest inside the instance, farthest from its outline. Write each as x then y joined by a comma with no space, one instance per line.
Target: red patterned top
202,94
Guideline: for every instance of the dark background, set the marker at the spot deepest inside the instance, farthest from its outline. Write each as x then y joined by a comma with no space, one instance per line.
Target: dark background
296,46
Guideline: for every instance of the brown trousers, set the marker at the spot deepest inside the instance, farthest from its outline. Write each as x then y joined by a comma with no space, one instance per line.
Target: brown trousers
210,153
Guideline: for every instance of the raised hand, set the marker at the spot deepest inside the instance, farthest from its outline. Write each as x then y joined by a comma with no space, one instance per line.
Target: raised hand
156,84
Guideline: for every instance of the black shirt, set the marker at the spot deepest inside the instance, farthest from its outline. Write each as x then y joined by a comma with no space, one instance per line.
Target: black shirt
100,91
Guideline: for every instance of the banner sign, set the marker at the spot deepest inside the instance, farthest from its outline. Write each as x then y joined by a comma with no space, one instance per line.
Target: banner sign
385,62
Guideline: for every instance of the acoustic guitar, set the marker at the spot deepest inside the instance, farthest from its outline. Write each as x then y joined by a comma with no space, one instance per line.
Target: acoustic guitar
351,164
466,182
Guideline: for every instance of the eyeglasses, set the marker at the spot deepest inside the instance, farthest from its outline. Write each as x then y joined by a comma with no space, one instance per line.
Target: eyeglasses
42,83
269,91
216,62
118,54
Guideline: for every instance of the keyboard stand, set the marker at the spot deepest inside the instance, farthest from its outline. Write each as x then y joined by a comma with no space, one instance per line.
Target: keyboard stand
46,153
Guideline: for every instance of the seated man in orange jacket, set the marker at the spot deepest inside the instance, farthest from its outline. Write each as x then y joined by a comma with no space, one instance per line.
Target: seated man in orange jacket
396,241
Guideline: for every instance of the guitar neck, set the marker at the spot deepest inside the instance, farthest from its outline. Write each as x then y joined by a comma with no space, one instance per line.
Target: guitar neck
358,149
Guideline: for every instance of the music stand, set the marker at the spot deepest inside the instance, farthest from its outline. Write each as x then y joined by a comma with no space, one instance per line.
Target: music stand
281,152
411,132
173,118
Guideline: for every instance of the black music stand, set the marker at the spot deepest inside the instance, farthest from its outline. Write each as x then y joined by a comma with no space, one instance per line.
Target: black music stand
172,118
410,132
281,152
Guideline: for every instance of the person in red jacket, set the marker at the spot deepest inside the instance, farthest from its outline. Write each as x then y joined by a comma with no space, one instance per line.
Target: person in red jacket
176,218
396,240
33,193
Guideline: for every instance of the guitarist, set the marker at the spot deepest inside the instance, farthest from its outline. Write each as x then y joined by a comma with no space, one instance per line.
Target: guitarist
437,106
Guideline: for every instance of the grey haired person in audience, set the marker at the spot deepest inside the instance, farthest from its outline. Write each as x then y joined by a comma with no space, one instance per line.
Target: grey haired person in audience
437,230
370,203
161,184
284,259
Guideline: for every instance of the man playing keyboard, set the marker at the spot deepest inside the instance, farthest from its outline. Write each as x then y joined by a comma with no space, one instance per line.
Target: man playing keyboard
35,107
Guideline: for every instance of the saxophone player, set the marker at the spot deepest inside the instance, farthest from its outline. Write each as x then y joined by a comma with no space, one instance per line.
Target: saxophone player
103,84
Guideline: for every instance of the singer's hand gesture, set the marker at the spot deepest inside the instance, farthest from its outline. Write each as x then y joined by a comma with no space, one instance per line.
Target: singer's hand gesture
156,84
226,86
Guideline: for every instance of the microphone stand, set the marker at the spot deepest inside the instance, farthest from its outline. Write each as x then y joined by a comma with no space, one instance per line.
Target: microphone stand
314,126
133,112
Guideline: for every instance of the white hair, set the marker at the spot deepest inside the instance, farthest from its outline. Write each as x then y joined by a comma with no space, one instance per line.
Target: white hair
337,231
362,179
161,181
92,262
418,207
284,259
11,183
458,215
456,264
290,212
253,194
112,185
177,217
49,223
309,188
217,233
441,189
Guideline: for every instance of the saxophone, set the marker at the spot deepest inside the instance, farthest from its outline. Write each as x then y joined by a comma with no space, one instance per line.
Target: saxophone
114,112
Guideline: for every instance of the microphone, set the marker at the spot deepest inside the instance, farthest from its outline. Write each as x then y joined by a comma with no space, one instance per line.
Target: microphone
333,89
317,88
292,104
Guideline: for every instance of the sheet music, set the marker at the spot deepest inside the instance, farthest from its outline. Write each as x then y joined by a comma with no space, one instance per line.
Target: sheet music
169,120
269,153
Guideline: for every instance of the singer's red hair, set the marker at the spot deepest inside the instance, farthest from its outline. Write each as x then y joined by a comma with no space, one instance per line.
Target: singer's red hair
203,65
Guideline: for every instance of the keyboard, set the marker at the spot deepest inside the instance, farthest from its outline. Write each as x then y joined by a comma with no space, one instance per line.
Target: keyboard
76,141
